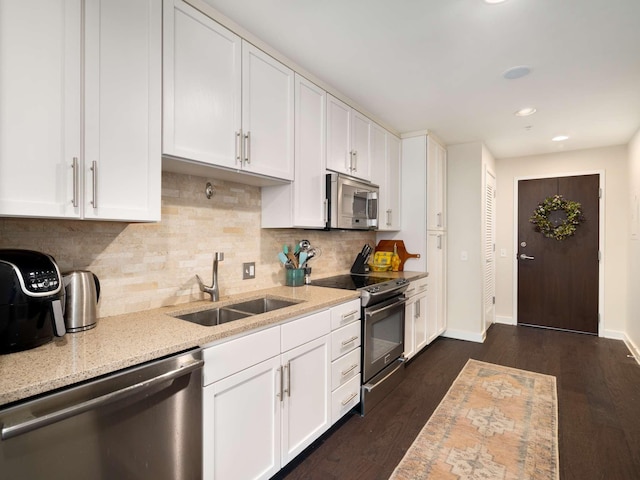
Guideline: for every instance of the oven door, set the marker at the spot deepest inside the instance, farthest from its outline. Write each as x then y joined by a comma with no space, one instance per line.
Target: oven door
383,336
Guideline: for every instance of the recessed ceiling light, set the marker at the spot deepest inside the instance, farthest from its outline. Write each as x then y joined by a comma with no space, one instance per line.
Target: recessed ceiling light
516,72
525,112
491,2
559,138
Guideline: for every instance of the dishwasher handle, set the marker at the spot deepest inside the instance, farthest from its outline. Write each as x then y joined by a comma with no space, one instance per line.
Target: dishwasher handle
21,427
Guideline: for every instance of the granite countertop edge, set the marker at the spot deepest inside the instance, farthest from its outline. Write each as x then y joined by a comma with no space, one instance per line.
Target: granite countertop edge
127,340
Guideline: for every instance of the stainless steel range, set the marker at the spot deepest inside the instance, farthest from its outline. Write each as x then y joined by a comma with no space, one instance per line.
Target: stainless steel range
382,362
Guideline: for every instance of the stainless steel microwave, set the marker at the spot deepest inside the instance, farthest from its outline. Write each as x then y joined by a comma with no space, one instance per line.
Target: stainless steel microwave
352,203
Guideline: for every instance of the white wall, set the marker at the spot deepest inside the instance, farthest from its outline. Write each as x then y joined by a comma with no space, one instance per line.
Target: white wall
466,165
633,318
613,162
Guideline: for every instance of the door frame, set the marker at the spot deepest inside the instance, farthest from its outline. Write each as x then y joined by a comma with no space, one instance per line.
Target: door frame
601,239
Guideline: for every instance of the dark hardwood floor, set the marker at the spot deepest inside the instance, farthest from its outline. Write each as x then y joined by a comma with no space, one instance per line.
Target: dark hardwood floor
598,402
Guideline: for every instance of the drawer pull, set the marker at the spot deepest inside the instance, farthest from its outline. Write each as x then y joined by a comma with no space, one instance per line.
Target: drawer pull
351,397
351,340
409,292
345,316
349,370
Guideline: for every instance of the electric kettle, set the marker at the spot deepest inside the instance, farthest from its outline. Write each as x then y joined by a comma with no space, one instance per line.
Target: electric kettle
82,295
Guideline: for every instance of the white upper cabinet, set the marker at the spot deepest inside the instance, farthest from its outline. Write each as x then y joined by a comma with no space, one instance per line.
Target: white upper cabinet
40,87
385,172
122,124
436,185
302,204
267,114
348,140
43,170
226,103
202,97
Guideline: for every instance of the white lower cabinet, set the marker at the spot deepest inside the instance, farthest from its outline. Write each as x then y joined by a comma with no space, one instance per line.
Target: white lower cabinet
268,395
416,321
345,358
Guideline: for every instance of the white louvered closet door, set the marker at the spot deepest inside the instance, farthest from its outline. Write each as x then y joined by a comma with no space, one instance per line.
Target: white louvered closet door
489,286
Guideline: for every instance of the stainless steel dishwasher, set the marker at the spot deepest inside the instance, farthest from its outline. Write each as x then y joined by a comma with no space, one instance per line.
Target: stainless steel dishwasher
144,422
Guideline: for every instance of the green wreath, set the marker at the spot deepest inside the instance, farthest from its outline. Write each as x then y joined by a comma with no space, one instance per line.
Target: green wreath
540,217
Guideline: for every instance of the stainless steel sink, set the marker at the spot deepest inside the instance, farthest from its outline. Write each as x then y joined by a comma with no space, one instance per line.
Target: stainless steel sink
236,311
261,305
215,316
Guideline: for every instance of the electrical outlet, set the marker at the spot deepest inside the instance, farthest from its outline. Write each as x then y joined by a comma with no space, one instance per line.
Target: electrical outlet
248,270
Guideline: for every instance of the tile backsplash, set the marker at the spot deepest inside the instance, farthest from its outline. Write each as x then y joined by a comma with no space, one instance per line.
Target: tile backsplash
149,265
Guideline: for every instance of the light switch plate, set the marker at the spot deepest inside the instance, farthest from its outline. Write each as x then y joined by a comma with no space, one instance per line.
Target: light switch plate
248,270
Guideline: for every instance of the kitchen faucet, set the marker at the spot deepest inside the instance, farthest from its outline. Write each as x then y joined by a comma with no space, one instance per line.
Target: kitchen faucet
214,289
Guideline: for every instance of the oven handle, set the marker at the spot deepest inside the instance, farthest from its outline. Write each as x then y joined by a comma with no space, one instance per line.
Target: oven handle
369,387
371,313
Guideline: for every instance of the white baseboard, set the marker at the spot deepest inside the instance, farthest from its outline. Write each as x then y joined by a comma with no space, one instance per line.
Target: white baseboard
635,351
465,335
613,334
505,320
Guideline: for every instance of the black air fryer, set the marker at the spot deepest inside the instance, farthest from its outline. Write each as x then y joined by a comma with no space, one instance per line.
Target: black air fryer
31,300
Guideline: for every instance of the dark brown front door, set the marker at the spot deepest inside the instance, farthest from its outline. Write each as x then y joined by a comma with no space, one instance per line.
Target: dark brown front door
558,279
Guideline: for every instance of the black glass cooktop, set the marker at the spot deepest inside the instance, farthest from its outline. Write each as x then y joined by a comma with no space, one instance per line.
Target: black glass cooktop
349,282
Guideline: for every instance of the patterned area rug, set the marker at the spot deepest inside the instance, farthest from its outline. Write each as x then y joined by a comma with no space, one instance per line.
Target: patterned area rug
494,423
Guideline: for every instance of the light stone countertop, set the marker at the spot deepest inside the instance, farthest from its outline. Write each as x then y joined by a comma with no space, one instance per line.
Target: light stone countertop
127,340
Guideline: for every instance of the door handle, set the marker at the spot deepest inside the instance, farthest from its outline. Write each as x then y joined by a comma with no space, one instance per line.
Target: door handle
526,257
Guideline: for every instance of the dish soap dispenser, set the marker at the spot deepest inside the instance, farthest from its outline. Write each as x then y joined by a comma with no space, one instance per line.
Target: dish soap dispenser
395,259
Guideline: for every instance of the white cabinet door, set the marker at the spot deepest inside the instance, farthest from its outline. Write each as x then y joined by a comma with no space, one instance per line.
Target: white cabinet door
307,393
202,97
122,125
338,136
267,114
309,205
385,172
436,301
392,213
409,328
360,145
436,185
348,140
241,419
420,318
40,107
302,204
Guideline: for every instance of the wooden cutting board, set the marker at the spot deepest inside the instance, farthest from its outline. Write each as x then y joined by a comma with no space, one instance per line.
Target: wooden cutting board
387,246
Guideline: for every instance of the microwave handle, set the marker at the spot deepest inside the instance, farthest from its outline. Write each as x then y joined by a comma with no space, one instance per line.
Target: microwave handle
372,205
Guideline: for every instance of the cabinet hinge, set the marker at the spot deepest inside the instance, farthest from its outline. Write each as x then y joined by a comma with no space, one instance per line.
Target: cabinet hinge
599,256
599,193
494,300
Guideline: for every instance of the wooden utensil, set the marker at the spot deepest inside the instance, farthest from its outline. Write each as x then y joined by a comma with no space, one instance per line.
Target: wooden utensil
387,246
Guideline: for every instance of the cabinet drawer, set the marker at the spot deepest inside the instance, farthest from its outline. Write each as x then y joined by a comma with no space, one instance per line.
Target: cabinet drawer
345,398
345,368
305,329
233,356
345,339
416,287
344,314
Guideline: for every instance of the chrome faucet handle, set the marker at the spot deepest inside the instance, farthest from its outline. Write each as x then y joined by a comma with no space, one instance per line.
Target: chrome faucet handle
214,289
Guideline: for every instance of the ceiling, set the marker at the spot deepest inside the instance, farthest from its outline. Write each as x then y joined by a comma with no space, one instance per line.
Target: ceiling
439,64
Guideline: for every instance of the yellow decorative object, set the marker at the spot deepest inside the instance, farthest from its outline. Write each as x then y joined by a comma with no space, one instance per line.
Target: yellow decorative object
381,262
395,259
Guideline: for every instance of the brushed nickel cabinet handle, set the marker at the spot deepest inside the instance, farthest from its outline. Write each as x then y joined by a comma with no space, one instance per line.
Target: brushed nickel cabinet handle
247,148
351,397
94,170
346,316
351,340
74,167
346,372
238,147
